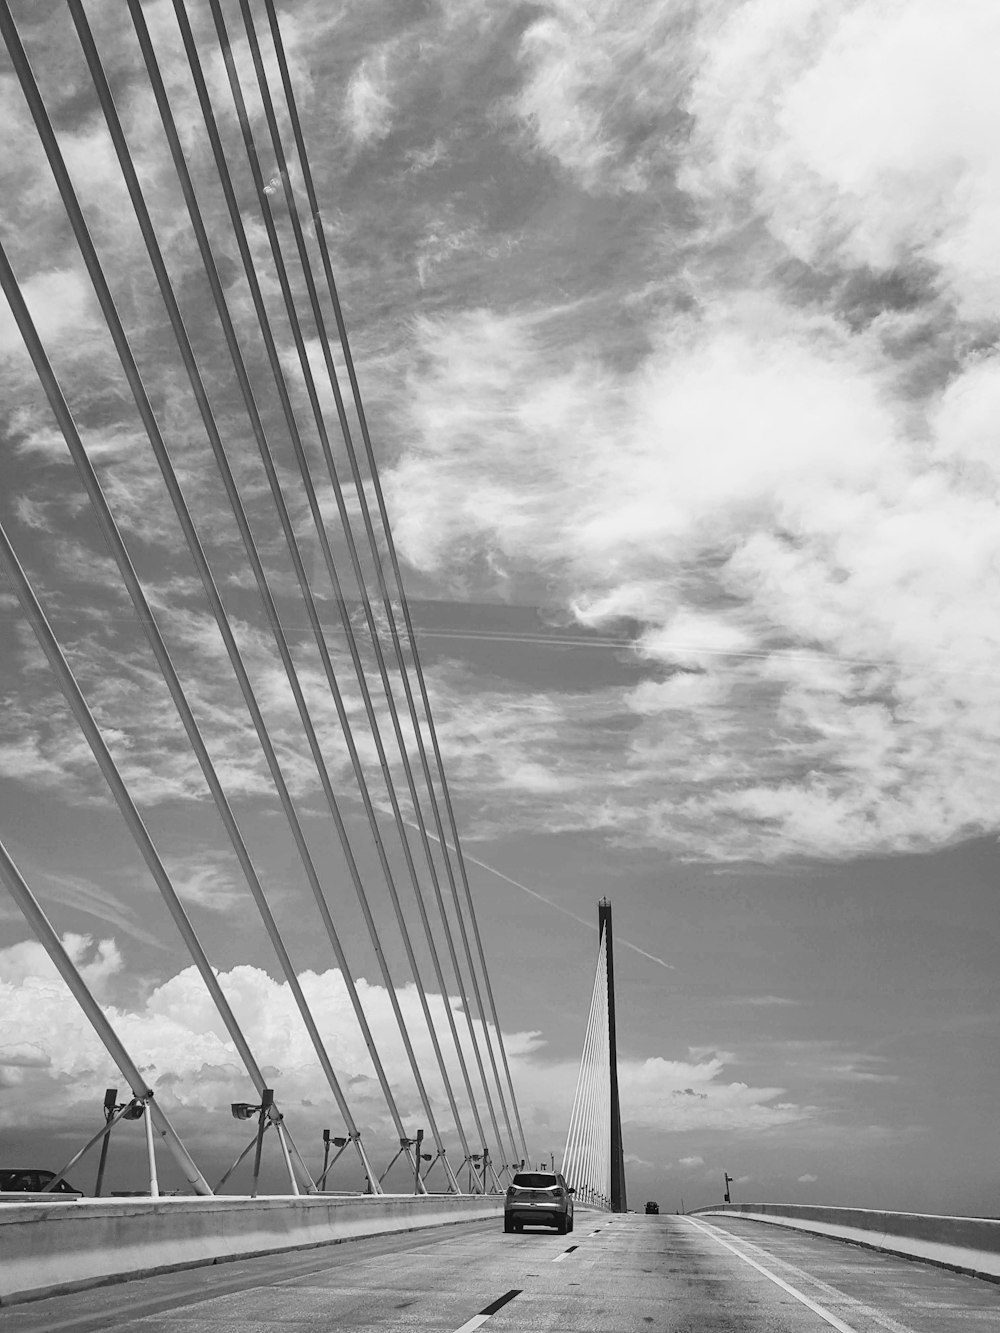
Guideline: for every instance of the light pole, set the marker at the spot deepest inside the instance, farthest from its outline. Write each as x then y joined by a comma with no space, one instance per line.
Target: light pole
244,1111
110,1107
729,1181
113,1110
326,1155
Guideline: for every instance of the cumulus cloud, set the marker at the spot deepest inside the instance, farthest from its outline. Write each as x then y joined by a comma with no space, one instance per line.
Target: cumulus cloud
686,1095
178,1039
863,131
54,1062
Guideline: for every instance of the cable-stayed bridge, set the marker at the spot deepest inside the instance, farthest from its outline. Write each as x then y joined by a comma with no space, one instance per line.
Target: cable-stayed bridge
311,402
265,369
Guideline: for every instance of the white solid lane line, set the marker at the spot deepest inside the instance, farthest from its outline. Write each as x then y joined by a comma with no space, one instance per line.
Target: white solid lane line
816,1308
866,1312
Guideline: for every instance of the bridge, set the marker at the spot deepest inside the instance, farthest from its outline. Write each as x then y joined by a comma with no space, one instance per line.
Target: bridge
431,1165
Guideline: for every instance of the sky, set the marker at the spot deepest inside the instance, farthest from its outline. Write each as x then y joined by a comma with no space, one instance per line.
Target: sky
676,324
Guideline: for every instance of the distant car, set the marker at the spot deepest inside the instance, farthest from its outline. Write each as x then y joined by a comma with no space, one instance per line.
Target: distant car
31,1180
652,1206
539,1198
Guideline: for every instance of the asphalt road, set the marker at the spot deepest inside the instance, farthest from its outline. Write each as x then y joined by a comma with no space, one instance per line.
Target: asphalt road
628,1274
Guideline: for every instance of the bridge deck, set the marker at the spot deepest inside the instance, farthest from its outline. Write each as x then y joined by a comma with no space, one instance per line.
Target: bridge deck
627,1273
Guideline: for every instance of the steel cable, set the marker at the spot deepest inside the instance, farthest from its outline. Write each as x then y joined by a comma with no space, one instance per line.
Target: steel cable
390,546
345,520
274,361
67,681
359,671
166,117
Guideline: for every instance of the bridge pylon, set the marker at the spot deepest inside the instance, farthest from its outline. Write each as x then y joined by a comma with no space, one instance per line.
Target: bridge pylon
618,1197
593,1160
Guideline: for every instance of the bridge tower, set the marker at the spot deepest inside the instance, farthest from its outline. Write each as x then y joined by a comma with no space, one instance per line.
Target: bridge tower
618,1200
593,1160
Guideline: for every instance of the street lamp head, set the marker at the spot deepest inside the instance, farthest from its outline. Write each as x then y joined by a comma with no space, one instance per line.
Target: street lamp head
244,1111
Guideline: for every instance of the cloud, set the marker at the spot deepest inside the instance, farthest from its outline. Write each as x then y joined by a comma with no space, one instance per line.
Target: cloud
631,1159
774,516
98,963
862,133
762,453
833,1062
599,92
807,1180
100,901
690,1162
60,303
208,881
671,1095
368,106
176,1035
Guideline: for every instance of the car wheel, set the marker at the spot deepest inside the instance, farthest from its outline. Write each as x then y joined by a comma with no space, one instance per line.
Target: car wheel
508,1225
561,1227
518,1226
569,1224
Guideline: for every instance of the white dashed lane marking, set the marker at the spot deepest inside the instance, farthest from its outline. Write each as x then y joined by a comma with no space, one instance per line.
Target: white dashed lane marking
564,1253
488,1311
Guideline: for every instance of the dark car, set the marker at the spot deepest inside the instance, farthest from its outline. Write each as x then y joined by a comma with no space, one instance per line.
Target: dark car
31,1180
652,1206
539,1199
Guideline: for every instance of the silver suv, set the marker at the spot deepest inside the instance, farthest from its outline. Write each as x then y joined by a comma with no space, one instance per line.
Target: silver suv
539,1198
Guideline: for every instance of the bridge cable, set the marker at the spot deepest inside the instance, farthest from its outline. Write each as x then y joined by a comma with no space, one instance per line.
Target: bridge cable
390,547
197,551
400,916
324,343
228,819
359,574
141,1091
345,428
362,681
587,1155
269,606
364,509
81,712
274,360
574,1132
78,706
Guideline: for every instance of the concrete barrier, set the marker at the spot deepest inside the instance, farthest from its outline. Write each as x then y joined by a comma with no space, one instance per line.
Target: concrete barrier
965,1244
50,1247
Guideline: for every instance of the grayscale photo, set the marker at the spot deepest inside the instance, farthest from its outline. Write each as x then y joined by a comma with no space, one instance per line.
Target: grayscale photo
499,666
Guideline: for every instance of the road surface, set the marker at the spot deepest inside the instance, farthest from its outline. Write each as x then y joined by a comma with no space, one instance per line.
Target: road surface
627,1274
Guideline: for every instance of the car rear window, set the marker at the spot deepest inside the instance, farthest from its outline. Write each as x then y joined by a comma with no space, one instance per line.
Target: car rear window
535,1180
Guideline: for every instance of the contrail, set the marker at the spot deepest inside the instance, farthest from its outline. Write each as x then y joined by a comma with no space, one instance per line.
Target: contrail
556,907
